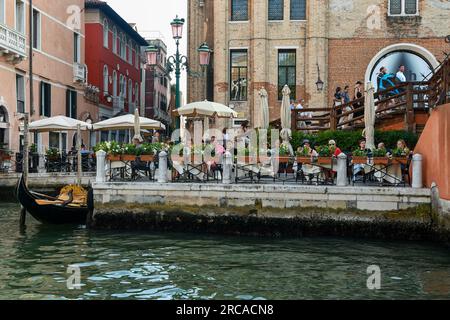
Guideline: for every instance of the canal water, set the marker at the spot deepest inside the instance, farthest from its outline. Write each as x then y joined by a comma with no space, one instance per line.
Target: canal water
43,263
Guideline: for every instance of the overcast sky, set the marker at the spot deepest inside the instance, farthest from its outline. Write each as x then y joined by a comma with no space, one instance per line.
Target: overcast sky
153,19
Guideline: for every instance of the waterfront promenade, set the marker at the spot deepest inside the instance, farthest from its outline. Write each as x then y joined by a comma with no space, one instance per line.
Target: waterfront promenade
268,210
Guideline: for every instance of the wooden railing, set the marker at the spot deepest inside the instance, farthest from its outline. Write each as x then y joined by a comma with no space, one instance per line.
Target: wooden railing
406,99
439,85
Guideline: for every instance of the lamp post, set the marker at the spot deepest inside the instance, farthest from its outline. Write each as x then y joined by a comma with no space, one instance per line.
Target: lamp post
177,62
319,82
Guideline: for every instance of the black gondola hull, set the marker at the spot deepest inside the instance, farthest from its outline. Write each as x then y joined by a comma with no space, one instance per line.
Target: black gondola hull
49,214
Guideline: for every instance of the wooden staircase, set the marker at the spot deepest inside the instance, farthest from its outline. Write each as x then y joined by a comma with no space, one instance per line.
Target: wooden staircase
409,109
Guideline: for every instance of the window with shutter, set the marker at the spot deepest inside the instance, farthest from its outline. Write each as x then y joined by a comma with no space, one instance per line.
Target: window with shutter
403,7
276,9
239,10
298,9
46,93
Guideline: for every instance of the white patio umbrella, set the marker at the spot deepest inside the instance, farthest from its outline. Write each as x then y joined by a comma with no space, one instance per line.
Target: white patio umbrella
369,116
262,117
58,123
285,115
63,123
137,126
205,109
127,122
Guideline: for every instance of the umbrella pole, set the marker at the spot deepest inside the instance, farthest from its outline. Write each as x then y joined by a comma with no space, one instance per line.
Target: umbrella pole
79,160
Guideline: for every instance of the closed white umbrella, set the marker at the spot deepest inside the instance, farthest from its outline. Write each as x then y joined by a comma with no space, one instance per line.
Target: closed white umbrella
205,109
58,123
285,115
137,126
126,122
369,116
262,117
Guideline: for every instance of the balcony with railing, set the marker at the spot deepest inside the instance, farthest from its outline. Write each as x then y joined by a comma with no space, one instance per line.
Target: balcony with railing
12,44
118,104
79,73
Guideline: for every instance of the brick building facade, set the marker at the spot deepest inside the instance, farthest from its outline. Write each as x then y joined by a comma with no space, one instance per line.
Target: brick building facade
269,43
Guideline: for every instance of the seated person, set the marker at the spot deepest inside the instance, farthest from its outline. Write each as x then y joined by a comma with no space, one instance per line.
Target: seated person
358,168
308,169
214,152
84,150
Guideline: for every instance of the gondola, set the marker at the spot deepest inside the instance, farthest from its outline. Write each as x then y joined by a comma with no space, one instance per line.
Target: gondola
50,210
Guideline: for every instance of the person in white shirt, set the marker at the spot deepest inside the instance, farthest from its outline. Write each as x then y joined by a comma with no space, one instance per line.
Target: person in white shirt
292,105
299,105
400,74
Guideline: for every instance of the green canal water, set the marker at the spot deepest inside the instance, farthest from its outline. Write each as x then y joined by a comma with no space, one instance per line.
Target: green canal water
33,265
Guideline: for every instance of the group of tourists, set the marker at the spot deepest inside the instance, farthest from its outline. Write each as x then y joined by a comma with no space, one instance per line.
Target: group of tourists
342,106
311,170
386,80
299,106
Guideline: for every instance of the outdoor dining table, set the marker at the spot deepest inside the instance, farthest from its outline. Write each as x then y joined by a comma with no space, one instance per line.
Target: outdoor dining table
315,167
383,169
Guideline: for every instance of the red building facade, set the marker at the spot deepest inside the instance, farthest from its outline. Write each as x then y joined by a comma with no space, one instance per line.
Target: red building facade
114,59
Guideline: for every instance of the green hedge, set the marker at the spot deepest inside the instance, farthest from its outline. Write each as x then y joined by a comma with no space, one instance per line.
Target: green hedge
348,140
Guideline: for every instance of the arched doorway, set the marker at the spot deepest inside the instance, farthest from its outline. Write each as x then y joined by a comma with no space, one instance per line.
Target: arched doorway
4,126
419,62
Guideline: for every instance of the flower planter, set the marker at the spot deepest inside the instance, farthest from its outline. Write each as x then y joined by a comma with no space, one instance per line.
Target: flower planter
359,160
380,160
401,160
324,160
128,157
53,158
304,160
147,158
283,159
112,157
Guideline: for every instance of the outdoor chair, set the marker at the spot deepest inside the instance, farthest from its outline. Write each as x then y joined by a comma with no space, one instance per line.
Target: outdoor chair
139,168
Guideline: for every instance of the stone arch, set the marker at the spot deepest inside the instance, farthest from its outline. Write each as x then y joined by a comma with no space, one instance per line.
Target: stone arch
398,47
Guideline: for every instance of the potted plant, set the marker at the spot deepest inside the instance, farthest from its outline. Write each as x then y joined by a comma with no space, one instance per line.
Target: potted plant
284,154
146,152
129,152
325,154
33,148
400,155
379,156
359,156
303,155
52,154
5,155
112,148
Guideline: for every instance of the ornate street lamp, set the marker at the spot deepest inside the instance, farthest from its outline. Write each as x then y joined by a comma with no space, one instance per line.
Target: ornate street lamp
319,84
152,55
204,54
177,28
178,62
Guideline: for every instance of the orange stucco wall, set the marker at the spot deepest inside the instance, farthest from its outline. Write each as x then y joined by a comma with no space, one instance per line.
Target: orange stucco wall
434,145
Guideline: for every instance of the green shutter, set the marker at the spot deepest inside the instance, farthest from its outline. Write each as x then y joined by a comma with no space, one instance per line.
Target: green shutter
67,103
